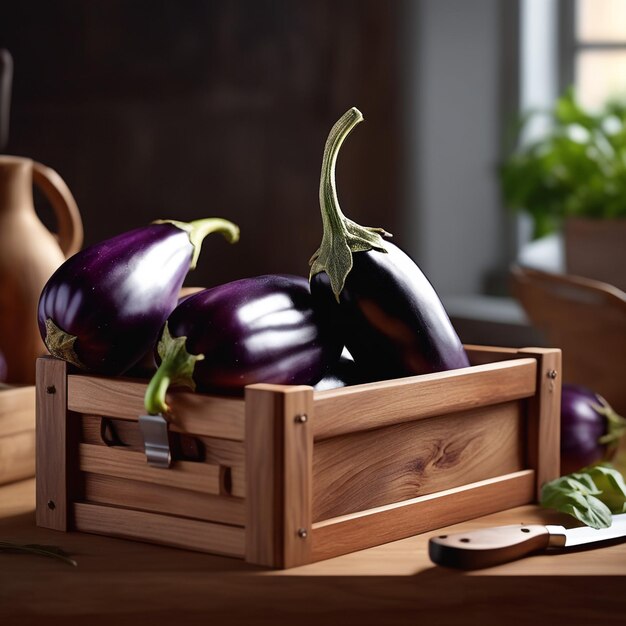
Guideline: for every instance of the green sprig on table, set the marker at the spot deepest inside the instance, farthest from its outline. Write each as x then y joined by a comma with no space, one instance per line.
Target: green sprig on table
32,548
592,495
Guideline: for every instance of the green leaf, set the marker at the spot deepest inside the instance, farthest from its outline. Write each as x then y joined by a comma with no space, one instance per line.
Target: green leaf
611,483
592,495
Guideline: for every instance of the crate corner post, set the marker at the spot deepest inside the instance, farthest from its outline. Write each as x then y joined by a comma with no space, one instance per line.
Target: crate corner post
545,425
279,466
51,444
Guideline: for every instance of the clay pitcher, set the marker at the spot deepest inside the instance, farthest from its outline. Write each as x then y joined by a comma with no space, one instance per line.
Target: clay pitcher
29,254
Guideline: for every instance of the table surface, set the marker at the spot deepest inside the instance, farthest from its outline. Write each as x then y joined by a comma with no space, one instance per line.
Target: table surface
118,582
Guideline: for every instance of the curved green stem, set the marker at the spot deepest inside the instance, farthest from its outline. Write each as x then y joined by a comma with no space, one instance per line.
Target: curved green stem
199,229
176,368
616,425
341,235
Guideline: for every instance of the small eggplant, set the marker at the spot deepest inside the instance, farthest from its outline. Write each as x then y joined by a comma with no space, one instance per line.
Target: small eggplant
590,428
386,311
102,310
254,330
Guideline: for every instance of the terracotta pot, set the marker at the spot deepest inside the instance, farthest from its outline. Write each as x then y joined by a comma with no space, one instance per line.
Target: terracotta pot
596,248
29,254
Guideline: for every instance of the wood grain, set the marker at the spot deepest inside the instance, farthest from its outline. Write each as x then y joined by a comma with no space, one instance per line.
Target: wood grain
133,465
224,452
298,476
391,522
264,476
200,414
373,405
544,410
154,498
371,468
278,462
53,444
163,529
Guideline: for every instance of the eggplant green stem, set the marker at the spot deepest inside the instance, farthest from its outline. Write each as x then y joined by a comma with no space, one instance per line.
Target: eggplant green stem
199,229
341,235
176,368
616,425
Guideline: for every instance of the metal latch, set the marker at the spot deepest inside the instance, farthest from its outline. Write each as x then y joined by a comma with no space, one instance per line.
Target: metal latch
155,440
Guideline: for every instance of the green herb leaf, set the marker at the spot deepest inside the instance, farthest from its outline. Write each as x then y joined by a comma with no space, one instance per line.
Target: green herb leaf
612,485
592,495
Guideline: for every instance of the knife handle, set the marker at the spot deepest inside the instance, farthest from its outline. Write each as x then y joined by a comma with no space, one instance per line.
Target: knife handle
489,546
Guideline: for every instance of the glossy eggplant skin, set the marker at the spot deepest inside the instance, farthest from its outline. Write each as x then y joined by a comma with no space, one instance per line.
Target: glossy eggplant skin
255,330
390,317
115,296
586,421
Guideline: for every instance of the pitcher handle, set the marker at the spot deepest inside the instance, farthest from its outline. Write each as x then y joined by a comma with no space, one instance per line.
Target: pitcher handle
69,222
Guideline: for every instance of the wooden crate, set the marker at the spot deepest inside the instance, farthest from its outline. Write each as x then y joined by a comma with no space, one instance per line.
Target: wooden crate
290,475
17,433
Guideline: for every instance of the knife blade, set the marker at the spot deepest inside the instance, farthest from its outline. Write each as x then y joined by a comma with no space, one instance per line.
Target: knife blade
499,544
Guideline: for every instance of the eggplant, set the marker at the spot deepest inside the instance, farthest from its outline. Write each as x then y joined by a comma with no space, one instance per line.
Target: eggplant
590,428
253,330
384,308
343,374
104,307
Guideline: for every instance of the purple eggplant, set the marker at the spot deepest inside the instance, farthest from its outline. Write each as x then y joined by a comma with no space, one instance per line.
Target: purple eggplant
387,312
102,310
590,428
254,330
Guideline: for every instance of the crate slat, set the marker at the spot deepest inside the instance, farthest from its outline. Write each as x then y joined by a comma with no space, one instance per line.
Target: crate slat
111,490
403,461
363,407
199,414
133,465
163,529
396,521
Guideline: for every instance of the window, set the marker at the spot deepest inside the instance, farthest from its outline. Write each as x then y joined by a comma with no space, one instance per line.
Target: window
593,50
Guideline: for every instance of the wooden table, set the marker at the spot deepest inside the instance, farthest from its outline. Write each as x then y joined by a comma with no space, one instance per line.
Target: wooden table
121,582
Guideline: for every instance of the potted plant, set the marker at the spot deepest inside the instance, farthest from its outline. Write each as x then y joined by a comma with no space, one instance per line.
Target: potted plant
574,179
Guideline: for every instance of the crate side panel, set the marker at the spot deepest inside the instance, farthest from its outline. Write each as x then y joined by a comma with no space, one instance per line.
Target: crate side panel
377,526
200,414
153,498
372,468
163,529
363,407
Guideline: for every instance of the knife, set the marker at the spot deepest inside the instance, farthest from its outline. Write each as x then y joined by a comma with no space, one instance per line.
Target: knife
492,546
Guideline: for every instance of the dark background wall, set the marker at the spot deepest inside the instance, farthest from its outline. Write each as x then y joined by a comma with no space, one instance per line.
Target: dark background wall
212,108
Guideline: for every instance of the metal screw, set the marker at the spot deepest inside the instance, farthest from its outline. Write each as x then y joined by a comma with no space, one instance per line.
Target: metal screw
301,419
51,389
552,374
302,533
51,505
